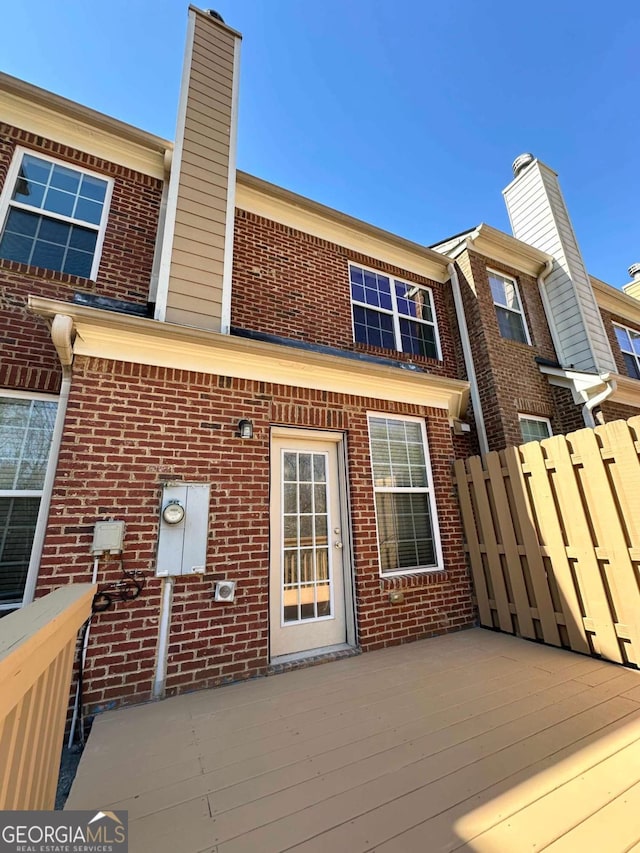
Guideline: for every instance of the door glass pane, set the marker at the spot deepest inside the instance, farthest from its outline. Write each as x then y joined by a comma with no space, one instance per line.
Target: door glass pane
306,593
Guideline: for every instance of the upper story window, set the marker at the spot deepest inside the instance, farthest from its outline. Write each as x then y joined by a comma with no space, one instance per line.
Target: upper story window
629,342
534,428
53,215
506,299
391,313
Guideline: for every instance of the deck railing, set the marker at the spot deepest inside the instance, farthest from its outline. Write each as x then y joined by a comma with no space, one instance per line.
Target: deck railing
37,645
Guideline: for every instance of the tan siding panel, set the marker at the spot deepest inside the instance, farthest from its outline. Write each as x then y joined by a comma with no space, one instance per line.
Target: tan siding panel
210,221
192,213
192,254
199,237
211,111
184,317
193,202
200,91
220,43
198,133
209,85
197,276
202,152
218,173
198,293
197,180
217,66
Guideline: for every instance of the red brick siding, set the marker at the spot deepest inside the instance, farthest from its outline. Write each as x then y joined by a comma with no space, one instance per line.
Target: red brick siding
28,357
289,283
509,380
131,427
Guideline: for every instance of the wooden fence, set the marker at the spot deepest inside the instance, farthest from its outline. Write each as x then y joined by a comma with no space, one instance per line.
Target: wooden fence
37,645
553,535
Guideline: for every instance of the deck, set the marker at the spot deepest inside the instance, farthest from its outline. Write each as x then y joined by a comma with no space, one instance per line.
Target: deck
474,741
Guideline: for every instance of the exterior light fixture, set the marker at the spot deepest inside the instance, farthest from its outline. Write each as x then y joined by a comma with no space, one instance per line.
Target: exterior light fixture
245,428
173,513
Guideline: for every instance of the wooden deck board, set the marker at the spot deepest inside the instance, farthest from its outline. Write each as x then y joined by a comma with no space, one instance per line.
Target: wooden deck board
476,741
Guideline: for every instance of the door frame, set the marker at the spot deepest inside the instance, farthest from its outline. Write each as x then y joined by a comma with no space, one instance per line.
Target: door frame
338,438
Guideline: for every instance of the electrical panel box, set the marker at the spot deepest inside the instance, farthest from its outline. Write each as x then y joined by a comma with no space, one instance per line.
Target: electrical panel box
107,536
184,527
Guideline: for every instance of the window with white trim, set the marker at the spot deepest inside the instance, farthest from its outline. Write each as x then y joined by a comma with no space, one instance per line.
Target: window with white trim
629,343
534,428
26,429
506,299
407,524
53,215
394,314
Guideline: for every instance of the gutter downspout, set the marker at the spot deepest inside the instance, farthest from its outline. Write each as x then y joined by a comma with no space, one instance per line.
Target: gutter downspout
61,332
468,359
589,406
542,278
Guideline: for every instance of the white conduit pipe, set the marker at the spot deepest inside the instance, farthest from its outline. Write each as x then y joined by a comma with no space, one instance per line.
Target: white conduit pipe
163,638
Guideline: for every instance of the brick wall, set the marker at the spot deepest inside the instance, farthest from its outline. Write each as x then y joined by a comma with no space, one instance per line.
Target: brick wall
289,283
131,427
28,357
509,381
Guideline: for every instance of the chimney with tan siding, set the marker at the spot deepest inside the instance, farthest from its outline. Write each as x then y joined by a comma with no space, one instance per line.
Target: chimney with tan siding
539,216
194,283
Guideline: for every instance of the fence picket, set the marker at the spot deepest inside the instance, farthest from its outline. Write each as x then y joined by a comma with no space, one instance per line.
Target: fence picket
580,542
551,531
471,535
526,515
619,571
491,545
618,443
512,555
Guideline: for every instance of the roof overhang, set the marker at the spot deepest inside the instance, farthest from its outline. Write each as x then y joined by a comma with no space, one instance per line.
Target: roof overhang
616,301
54,117
295,211
582,385
106,334
586,386
499,247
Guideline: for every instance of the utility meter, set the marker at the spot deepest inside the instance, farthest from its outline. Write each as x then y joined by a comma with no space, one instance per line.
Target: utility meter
183,529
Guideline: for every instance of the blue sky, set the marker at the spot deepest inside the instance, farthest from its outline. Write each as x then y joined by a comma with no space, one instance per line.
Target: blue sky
406,114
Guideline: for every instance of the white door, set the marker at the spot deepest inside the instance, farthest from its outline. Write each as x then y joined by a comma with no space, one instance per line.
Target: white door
307,603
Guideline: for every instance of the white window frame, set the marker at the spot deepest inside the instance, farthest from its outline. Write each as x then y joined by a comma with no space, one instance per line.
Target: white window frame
546,421
34,565
520,312
628,329
9,185
394,313
435,527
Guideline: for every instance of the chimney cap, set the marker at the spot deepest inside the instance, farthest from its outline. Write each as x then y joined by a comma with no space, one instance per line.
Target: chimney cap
634,271
521,162
216,15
